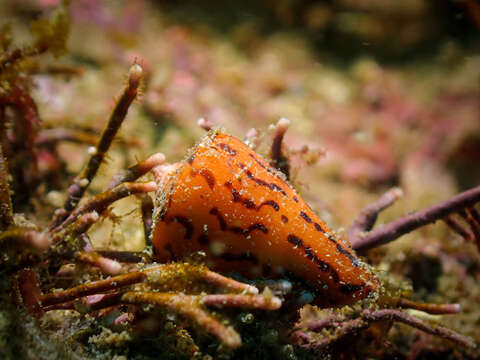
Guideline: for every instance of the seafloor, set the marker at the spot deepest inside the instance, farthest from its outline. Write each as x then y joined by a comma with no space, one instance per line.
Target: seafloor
379,94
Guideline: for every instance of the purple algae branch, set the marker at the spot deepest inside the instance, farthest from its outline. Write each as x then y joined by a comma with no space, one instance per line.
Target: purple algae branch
362,239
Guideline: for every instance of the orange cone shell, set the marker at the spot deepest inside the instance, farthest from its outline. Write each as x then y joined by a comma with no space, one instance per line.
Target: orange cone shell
225,200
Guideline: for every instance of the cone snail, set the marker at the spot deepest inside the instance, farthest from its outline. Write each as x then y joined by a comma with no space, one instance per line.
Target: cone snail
225,200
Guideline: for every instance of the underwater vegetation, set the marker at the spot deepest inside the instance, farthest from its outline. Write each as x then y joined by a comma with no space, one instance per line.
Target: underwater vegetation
215,245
